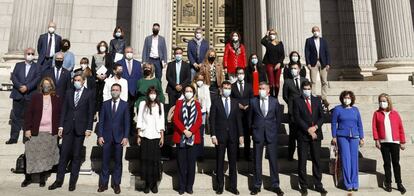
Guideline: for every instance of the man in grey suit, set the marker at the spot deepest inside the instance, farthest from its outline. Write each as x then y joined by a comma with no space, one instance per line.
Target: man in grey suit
155,51
291,91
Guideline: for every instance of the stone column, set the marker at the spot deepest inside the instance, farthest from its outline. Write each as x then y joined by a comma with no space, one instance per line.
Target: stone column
287,18
30,19
254,25
144,14
63,17
395,38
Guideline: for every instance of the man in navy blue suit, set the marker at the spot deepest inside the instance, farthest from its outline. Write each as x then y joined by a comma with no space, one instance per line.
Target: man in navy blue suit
47,45
197,49
132,73
75,123
25,78
61,77
265,121
113,134
318,59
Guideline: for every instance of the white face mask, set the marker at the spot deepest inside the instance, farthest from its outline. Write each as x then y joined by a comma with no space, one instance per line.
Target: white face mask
272,37
29,58
51,29
295,58
129,55
294,72
307,93
188,95
347,101
235,38
383,105
84,66
102,48
262,94
316,34
199,83
240,77
226,92
152,97
118,34
198,35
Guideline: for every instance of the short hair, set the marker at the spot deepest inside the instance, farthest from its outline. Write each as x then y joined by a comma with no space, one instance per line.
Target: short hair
198,29
178,48
99,45
64,41
386,96
117,65
79,75
85,59
239,68
345,93
305,83
263,83
189,86
119,28
156,24
226,82
118,85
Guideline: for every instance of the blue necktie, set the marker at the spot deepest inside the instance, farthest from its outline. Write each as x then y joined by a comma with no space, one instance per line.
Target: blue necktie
226,107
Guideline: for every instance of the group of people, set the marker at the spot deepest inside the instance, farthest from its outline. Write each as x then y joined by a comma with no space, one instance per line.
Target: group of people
232,100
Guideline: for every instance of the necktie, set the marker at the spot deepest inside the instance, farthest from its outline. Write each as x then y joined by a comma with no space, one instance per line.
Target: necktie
49,45
129,67
309,105
297,83
241,88
226,107
57,75
77,96
263,107
114,107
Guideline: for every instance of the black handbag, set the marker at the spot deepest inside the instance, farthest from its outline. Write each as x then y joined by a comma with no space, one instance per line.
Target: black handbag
20,165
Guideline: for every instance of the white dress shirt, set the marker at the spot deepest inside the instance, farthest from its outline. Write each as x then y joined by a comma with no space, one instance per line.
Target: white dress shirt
52,46
317,44
107,88
154,47
388,130
150,125
27,69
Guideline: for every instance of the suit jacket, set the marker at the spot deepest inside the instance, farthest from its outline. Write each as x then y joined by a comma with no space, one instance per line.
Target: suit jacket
64,82
34,112
192,52
185,76
265,128
114,127
19,79
311,54
132,79
291,92
42,44
304,119
244,98
220,124
162,48
79,118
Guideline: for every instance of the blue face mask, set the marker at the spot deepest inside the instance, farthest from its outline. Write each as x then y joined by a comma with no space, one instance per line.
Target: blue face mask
178,57
77,85
255,61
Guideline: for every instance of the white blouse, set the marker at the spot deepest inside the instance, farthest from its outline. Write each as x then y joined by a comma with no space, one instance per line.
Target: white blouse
203,96
150,125
388,130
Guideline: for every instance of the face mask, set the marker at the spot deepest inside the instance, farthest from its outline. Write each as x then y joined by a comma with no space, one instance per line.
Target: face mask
307,93
272,37
119,74
316,34
199,83
118,34
178,57
188,95
115,94
199,35
347,102
262,94
129,55
46,88
295,58
29,58
255,61
147,72
77,85
211,59
152,97
226,92
235,38
84,66
65,48
51,30
384,105
240,77
155,31
294,72
102,49
58,64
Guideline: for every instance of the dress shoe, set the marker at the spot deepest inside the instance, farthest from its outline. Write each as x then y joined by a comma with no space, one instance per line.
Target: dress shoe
11,141
355,190
72,187
219,191
102,188
117,189
55,185
181,192
278,191
401,188
190,192
304,191
387,187
321,190
26,182
154,188
255,191
234,191
42,184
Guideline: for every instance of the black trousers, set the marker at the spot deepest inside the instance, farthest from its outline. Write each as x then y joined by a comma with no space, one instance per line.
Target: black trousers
186,166
17,118
292,139
303,148
232,157
132,131
246,134
391,154
271,149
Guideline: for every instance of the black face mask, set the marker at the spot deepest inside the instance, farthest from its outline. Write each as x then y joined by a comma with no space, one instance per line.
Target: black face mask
119,74
147,72
155,31
65,48
211,59
58,64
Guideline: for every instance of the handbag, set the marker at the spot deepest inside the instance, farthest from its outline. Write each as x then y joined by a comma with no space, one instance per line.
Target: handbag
20,165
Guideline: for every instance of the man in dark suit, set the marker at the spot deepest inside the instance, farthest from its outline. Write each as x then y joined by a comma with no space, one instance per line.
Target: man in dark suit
197,49
155,51
243,92
226,133
318,59
178,76
25,77
47,45
265,117
291,90
61,77
113,135
308,114
75,123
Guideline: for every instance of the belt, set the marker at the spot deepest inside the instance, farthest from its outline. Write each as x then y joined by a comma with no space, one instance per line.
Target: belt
158,58
47,58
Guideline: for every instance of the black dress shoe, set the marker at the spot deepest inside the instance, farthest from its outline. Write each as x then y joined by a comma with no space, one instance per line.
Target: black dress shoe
11,141
72,187
117,189
304,191
255,191
190,192
102,188
55,185
181,192
154,188
219,191
401,188
234,191
355,189
278,191
387,187
26,183
321,190
42,184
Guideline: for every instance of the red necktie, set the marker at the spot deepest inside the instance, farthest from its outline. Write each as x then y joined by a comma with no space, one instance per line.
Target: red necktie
309,105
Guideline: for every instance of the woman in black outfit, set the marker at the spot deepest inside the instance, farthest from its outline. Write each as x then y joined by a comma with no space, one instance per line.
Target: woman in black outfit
117,45
294,58
255,73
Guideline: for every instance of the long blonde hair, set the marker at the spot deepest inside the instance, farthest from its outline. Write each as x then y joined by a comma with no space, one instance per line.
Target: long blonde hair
277,35
388,98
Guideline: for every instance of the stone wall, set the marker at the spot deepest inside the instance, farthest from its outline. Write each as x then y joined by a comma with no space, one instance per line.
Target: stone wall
6,11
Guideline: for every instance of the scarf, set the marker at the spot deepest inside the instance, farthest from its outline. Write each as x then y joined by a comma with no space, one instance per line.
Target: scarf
188,117
198,42
236,47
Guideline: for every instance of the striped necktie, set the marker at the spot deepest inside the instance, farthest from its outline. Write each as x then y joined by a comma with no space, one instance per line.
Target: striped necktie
77,96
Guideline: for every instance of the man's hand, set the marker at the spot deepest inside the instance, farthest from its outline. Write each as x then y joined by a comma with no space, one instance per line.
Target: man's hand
23,89
327,67
308,66
314,136
214,141
241,106
60,132
187,133
241,140
124,142
28,134
246,106
312,130
101,141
